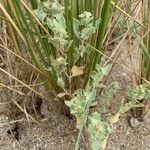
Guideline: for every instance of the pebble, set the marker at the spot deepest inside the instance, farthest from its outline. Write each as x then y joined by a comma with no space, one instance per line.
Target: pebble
135,123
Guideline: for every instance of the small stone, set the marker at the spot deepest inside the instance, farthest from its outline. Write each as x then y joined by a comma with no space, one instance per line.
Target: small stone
135,123
14,145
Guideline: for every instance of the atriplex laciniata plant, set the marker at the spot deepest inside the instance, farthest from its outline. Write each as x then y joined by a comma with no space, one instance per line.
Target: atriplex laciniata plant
80,105
58,35
73,29
98,128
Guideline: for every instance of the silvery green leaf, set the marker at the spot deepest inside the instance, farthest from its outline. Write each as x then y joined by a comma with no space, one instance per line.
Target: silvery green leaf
51,13
56,7
98,23
85,24
98,131
61,83
85,18
61,19
81,50
106,69
76,24
55,41
76,56
87,32
49,69
139,92
49,23
47,4
68,45
78,107
57,25
88,49
79,103
40,14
